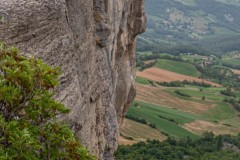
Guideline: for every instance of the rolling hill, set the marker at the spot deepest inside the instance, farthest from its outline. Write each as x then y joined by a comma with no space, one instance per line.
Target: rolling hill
207,26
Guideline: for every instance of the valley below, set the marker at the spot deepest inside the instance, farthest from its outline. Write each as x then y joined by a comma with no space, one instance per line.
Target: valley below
173,102
187,103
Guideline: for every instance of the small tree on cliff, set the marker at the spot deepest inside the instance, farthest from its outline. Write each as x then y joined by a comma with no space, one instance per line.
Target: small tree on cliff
28,126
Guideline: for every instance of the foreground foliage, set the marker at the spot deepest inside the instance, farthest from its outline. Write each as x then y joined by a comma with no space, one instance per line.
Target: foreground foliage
206,148
28,111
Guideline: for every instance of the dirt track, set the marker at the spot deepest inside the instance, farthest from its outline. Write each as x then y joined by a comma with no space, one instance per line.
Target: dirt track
161,75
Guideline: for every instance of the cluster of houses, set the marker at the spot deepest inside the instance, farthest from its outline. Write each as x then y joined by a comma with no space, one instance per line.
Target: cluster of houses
205,60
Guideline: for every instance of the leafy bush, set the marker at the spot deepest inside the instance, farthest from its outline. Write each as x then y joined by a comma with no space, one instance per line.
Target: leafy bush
28,125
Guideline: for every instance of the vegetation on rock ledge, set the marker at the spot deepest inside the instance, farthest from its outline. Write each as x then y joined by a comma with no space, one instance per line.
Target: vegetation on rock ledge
28,111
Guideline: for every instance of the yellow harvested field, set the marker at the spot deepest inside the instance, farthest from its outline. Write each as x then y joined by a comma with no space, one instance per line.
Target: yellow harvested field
139,132
161,75
156,95
124,141
200,126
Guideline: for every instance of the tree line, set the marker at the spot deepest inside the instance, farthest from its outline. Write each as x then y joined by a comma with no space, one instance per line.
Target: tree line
208,147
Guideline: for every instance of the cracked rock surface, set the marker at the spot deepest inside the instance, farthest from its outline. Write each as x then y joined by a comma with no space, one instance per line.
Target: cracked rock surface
94,43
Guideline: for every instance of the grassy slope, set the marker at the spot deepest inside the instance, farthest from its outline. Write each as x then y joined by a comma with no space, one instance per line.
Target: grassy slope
178,67
219,111
222,111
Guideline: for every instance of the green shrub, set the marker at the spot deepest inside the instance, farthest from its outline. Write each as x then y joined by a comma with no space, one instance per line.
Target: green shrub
28,125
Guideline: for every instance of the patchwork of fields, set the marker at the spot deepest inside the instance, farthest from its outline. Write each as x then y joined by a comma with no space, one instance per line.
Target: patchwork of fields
175,115
178,67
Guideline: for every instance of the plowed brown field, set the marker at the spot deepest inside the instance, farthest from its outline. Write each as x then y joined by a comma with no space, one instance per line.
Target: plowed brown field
161,75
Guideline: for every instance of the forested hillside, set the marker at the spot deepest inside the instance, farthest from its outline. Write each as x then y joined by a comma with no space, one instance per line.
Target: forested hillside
199,26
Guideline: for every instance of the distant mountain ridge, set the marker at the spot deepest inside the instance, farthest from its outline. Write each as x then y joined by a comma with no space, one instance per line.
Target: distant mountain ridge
195,23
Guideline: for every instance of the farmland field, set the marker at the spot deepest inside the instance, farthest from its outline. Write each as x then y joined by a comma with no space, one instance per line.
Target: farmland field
178,67
160,96
179,124
221,111
189,109
132,132
178,116
161,75
166,119
141,80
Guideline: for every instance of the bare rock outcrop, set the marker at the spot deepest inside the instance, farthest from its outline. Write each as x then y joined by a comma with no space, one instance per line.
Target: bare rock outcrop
94,43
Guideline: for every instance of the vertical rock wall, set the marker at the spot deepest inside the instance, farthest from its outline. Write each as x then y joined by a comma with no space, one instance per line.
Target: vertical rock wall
94,43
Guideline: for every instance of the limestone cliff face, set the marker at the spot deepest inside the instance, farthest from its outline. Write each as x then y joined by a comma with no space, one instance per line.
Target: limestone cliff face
94,43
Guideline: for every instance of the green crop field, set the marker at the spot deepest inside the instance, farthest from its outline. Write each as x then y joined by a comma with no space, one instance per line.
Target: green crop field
219,110
222,111
141,80
178,67
166,119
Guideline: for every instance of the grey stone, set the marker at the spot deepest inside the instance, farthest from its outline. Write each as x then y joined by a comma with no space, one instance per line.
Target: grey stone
94,43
